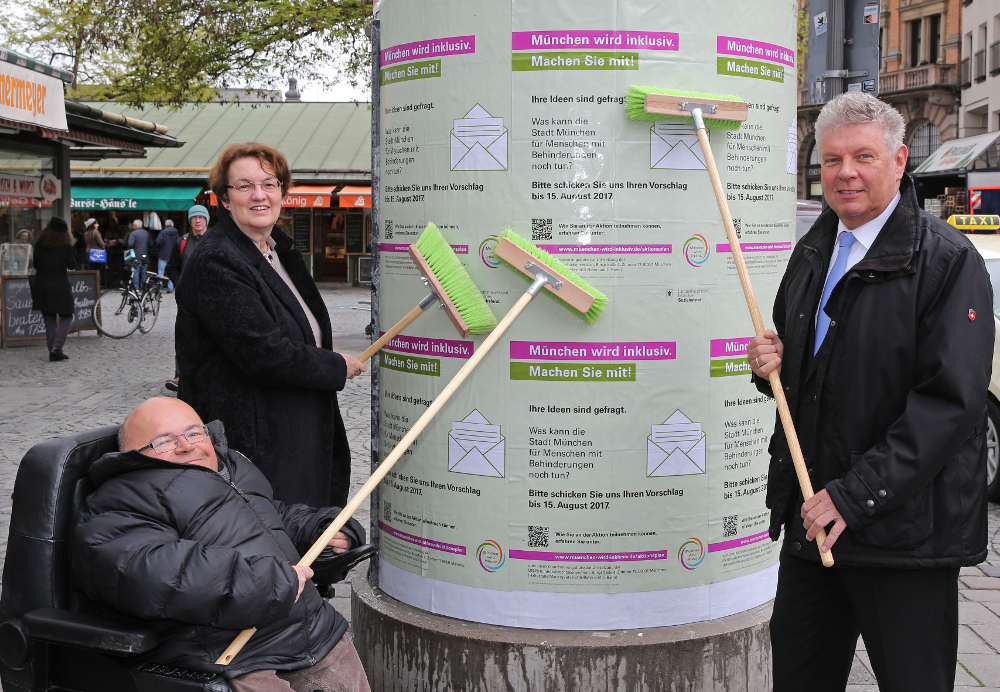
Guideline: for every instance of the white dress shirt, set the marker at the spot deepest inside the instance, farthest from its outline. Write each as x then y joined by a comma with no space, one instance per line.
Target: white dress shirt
864,237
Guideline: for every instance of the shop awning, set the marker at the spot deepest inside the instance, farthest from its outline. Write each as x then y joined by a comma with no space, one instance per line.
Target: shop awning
355,196
301,197
133,198
956,154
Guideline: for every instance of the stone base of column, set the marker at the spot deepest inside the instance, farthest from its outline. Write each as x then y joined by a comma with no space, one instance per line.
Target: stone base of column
408,649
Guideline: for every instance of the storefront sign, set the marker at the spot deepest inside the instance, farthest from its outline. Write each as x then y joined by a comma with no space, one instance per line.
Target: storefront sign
299,201
48,187
31,97
355,196
25,202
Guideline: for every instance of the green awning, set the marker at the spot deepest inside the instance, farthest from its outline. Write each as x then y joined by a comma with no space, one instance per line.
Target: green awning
133,197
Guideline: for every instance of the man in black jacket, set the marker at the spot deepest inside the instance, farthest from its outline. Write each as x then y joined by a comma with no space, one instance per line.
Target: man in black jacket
884,341
180,253
185,534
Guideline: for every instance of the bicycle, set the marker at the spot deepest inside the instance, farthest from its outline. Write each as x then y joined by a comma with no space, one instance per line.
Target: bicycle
120,311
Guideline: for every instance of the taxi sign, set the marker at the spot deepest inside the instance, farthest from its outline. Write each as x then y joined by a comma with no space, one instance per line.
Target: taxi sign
975,222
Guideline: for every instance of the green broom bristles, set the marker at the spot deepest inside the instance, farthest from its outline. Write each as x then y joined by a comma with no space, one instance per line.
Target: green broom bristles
601,300
635,106
456,281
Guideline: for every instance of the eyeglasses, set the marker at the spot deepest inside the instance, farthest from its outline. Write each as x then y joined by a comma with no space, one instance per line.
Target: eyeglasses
168,443
246,187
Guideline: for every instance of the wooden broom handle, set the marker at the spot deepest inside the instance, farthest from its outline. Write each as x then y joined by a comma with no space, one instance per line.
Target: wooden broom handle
758,324
389,335
352,506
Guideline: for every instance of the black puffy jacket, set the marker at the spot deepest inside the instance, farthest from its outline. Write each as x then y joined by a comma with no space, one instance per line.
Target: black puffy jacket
200,559
891,412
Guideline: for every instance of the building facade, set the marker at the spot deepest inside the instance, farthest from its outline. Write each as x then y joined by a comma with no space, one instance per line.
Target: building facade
980,74
919,72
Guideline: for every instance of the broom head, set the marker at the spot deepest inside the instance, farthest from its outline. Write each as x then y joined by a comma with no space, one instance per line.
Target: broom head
582,299
463,302
650,103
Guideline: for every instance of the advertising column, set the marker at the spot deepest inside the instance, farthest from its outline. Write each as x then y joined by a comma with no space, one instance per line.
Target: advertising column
584,477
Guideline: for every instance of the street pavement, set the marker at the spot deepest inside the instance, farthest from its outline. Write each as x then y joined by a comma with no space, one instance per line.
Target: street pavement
106,378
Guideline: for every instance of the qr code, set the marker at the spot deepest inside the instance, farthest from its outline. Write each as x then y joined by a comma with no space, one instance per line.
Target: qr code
388,230
386,511
738,225
729,526
541,229
538,536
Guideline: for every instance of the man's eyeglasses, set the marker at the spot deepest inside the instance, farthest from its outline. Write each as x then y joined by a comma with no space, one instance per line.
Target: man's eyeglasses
246,187
168,443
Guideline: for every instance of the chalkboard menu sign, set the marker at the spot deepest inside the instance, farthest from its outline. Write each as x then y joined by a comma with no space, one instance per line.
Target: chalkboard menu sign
300,232
355,234
365,270
21,322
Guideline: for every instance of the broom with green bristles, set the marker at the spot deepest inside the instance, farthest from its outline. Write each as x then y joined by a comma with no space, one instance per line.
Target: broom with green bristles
583,300
724,113
449,283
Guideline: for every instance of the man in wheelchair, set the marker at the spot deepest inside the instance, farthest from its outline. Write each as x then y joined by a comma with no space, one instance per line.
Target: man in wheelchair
184,533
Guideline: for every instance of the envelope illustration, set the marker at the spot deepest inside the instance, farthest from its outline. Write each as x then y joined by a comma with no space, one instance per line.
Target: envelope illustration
676,448
479,142
675,145
475,447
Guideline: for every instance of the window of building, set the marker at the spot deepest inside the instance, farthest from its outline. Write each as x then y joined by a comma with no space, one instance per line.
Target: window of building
21,218
916,29
934,49
926,138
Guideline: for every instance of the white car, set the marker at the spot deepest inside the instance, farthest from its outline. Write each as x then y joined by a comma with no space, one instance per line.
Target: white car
989,248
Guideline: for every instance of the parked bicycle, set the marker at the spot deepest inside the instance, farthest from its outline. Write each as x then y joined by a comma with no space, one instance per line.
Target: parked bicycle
120,311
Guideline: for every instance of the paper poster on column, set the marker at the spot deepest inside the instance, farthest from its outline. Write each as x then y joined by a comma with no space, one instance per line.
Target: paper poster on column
583,477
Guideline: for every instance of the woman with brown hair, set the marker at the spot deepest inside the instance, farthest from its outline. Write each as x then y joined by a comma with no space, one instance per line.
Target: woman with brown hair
54,256
253,337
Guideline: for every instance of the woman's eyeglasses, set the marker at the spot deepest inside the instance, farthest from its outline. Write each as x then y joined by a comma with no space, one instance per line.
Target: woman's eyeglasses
246,187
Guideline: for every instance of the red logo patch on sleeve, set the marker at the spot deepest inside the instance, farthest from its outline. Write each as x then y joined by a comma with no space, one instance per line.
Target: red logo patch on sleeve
972,315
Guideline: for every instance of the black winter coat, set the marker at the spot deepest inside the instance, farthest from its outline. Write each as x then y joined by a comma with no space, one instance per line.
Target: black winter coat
175,264
891,412
52,294
200,559
248,358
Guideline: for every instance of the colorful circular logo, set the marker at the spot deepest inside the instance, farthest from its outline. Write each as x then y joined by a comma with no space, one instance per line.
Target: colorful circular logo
696,250
691,553
486,252
490,556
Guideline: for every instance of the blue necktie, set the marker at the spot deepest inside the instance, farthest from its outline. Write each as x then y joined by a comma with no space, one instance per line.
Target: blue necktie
836,274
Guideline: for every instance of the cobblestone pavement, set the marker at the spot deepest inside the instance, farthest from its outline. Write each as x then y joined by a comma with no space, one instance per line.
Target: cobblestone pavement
105,379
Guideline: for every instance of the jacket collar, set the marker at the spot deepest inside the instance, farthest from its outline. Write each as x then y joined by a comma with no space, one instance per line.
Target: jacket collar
283,244
895,245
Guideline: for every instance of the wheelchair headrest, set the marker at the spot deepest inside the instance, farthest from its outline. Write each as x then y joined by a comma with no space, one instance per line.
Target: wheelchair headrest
51,485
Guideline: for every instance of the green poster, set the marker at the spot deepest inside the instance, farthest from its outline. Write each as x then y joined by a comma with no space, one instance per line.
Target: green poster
583,477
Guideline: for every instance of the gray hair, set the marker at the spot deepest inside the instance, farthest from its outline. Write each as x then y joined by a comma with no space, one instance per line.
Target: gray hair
859,108
122,440
137,223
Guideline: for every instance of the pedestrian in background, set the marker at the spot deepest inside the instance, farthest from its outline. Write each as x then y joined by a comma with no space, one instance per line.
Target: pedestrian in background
254,341
182,251
139,241
54,256
884,339
165,240
94,241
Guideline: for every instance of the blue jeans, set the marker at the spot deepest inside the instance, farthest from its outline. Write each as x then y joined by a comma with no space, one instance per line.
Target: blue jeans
161,265
139,276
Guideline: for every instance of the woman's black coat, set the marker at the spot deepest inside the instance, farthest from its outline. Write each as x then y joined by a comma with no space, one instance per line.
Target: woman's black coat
200,559
52,294
247,357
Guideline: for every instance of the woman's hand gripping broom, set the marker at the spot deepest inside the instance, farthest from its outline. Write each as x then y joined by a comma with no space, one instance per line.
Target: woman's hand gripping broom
724,112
